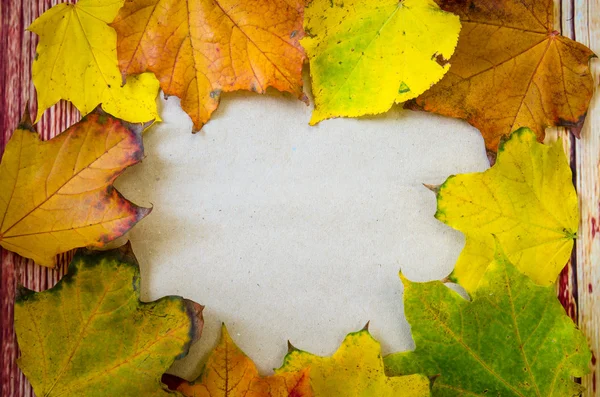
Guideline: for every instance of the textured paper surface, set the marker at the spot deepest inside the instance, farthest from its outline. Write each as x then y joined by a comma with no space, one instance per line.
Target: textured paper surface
286,231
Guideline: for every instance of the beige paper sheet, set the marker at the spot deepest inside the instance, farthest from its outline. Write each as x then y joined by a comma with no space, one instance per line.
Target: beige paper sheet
290,232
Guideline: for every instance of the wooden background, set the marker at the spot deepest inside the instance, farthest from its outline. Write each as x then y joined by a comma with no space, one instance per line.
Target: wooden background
579,285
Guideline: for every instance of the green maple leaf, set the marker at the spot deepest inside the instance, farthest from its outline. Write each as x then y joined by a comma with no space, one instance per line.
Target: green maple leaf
512,339
91,336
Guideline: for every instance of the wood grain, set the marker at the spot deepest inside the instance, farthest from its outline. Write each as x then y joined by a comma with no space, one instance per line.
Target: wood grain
586,29
17,49
579,284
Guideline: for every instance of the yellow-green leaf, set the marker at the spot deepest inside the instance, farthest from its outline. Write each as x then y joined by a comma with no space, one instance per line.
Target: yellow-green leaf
76,60
367,55
356,369
91,336
527,200
230,373
58,195
512,339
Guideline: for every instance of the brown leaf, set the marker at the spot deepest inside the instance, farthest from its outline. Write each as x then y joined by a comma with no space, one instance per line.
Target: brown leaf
511,69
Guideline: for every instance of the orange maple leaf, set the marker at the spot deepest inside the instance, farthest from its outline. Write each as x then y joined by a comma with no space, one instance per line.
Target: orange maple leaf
199,48
511,69
58,195
230,373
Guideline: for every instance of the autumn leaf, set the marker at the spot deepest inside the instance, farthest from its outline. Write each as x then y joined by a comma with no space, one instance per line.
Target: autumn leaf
356,369
367,55
91,336
58,195
526,200
230,373
512,339
76,60
511,69
200,48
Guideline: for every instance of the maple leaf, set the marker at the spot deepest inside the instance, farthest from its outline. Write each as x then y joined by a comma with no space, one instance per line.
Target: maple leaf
526,200
355,369
199,48
91,336
512,339
58,195
76,60
365,55
511,69
230,373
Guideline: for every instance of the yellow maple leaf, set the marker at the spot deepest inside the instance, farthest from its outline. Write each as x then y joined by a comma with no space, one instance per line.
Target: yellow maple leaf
367,55
230,373
76,60
526,200
356,369
58,195
201,48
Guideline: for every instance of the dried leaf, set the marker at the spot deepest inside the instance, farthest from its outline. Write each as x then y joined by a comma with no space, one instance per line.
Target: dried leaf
365,55
511,69
91,336
58,195
512,339
199,48
230,373
76,60
526,200
356,369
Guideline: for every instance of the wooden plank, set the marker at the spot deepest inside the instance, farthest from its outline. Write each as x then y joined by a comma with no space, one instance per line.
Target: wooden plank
586,29
18,49
579,284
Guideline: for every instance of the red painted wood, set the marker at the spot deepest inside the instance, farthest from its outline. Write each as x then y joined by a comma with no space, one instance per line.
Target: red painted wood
17,47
